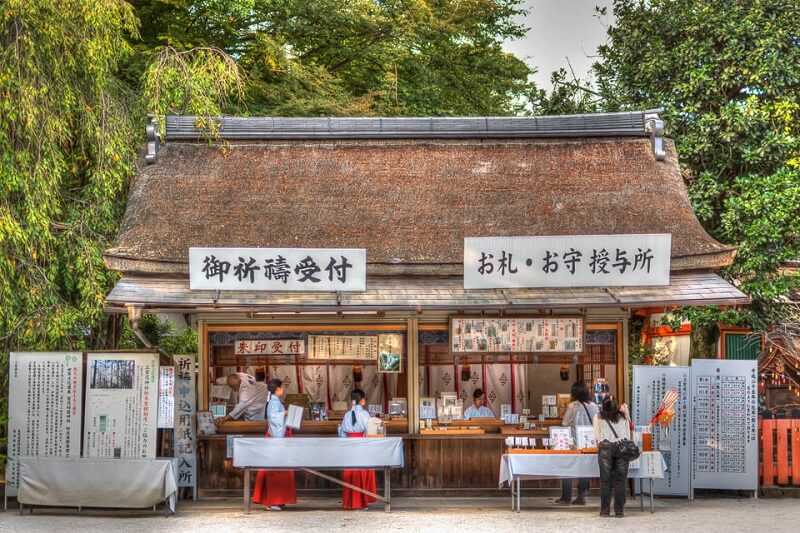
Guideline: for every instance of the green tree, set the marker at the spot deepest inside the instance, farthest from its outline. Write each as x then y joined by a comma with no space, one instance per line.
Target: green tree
355,57
727,75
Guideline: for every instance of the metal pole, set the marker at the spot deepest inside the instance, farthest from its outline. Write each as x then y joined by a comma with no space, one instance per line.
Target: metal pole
641,495
651,495
246,490
387,489
519,493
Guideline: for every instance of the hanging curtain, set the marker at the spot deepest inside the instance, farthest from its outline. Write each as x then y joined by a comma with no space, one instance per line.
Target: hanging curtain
520,388
315,382
498,386
372,384
341,383
466,388
441,379
288,375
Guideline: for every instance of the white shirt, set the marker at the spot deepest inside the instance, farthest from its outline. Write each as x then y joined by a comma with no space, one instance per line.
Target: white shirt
360,424
252,398
576,414
603,432
276,418
478,412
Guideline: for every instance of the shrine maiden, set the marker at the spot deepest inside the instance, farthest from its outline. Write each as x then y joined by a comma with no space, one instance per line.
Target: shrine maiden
275,488
252,397
354,424
478,408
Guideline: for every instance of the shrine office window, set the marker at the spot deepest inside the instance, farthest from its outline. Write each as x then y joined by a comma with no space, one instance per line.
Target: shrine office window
742,346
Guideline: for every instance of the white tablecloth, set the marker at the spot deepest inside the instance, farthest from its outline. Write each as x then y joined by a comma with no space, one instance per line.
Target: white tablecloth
334,453
549,466
128,483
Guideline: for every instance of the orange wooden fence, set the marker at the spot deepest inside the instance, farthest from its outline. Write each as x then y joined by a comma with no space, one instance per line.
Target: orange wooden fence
780,452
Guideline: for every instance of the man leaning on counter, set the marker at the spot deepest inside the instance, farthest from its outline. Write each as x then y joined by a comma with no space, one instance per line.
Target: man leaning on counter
252,398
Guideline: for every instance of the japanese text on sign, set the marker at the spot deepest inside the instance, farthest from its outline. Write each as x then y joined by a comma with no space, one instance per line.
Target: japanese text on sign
269,347
343,347
278,269
185,403
44,408
516,335
567,261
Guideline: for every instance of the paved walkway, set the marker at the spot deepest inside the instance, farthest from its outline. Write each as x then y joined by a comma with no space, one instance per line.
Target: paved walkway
467,515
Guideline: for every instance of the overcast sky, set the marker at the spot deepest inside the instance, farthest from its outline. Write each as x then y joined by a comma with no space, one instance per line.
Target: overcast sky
560,29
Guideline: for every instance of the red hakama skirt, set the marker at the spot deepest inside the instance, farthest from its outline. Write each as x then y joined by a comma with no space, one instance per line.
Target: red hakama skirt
275,487
365,479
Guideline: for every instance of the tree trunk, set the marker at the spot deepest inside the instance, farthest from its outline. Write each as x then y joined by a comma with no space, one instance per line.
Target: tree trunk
704,342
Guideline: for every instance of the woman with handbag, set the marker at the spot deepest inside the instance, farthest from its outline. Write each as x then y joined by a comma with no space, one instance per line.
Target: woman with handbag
615,450
580,412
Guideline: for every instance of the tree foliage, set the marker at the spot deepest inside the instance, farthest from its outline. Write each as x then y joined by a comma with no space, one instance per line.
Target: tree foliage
357,57
727,75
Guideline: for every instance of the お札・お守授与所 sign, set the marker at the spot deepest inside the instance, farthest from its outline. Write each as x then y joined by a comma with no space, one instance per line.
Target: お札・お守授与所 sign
278,269
567,261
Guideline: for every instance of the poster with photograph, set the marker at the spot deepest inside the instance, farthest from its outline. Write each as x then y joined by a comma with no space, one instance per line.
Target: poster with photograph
390,356
44,408
427,408
121,410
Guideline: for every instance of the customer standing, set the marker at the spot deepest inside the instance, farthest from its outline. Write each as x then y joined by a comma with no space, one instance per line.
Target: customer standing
610,427
580,412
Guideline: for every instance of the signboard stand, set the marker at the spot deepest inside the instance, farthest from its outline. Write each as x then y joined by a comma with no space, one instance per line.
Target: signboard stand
725,425
185,440
650,384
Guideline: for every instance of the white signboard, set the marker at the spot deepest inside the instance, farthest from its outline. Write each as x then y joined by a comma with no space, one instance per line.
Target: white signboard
269,347
166,397
551,335
650,384
585,437
121,405
44,408
185,407
725,418
343,347
567,261
278,269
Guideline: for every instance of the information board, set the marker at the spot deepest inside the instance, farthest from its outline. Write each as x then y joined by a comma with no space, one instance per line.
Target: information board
650,384
44,408
166,397
725,424
121,405
185,434
528,335
343,347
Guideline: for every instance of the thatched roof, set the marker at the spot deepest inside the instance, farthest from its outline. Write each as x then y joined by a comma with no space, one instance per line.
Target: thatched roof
409,202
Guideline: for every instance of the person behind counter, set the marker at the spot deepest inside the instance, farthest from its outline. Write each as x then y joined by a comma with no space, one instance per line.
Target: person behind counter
611,426
252,396
354,424
580,412
478,408
275,488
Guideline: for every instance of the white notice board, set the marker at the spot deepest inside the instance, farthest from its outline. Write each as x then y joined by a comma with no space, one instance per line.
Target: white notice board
121,405
44,408
650,383
725,424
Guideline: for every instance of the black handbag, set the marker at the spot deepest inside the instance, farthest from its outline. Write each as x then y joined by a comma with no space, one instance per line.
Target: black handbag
627,448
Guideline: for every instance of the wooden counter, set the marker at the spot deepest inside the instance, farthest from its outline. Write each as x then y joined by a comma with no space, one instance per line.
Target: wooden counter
398,426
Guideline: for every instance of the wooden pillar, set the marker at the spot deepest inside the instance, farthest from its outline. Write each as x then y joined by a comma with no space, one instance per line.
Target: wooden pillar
202,381
412,373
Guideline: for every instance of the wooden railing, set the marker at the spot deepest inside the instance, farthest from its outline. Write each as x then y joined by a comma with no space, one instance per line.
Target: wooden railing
779,453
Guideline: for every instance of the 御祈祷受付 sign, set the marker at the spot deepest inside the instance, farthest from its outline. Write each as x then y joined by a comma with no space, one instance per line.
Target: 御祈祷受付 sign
278,269
567,261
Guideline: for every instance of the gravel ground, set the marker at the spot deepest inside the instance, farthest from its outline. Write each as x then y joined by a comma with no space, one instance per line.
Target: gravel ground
468,515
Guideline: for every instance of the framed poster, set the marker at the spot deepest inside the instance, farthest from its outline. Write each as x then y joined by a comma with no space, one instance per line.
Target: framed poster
121,410
44,408
553,335
390,356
